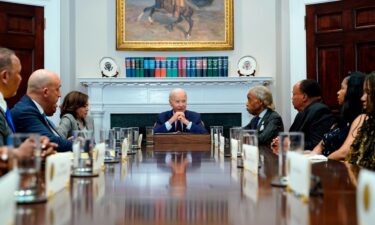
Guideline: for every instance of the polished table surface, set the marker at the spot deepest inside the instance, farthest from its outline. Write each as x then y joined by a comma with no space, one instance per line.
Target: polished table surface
153,188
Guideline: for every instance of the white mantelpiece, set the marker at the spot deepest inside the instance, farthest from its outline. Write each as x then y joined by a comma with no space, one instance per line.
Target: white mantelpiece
150,95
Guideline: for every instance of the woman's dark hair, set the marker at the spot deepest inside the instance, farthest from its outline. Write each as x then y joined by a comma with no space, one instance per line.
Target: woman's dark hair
370,83
72,101
352,106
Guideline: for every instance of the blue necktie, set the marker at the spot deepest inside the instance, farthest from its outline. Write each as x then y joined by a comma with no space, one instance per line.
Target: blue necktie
8,117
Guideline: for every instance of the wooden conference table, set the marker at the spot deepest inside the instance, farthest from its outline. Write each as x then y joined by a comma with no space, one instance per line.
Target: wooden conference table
143,190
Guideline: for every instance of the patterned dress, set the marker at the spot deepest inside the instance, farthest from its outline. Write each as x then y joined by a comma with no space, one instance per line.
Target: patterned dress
362,151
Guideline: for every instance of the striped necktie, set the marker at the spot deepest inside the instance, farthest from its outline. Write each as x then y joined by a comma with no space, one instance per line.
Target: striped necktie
51,125
9,119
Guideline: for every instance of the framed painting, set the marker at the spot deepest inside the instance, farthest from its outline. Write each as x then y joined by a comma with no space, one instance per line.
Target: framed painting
174,25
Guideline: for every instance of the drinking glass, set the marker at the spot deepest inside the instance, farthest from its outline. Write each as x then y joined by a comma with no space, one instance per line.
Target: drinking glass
288,141
246,136
149,135
83,159
108,137
29,190
216,132
234,136
118,141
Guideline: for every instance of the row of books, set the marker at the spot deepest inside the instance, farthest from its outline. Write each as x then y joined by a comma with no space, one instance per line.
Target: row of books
212,66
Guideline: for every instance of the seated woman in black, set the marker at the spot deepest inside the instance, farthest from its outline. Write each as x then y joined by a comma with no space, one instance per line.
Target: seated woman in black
349,97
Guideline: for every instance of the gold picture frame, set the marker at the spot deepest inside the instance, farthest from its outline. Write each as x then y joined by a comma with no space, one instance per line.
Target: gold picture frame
138,29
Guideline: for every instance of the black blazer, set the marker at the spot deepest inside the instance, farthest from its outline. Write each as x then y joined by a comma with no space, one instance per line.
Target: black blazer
316,120
196,128
269,127
5,130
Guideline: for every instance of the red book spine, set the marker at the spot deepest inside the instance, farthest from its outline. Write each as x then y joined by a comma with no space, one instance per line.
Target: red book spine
157,66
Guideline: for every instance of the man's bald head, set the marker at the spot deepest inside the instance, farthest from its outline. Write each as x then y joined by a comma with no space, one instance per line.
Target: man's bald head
44,87
39,79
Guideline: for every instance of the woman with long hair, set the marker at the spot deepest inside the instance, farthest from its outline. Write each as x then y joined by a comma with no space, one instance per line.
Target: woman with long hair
362,151
74,110
349,97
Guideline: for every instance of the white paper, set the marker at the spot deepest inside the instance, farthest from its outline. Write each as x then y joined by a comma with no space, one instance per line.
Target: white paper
124,148
251,158
76,154
216,140
8,185
59,208
58,170
366,197
250,186
234,148
99,159
317,158
222,143
140,140
298,210
299,173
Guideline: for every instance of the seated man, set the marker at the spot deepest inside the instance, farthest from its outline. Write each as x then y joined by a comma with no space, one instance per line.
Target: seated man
314,118
30,113
179,119
266,121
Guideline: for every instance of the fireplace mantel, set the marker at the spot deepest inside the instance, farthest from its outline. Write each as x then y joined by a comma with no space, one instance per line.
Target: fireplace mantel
150,95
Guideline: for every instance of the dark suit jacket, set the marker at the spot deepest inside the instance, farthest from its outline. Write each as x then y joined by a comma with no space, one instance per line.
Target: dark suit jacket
316,120
268,127
5,130
196,127
27,119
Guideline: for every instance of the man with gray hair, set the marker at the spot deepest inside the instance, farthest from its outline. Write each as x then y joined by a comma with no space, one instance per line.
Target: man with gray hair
179,119
266,121
30,113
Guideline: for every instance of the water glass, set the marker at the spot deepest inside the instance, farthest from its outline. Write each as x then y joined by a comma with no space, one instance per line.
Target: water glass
288,141
83,159
149,135
234,136
135,136
216,132
108,137
28,167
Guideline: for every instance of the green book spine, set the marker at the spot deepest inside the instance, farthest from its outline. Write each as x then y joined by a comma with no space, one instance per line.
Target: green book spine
137,67
174,67
142,69
215,67
169,66
209,66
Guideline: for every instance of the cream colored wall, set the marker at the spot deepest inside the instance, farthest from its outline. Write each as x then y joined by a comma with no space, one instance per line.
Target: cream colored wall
95,35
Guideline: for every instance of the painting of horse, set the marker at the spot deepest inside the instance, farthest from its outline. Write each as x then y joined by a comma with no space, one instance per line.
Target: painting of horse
174,24
179,9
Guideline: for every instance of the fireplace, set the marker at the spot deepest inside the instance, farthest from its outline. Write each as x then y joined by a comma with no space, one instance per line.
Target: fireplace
220,97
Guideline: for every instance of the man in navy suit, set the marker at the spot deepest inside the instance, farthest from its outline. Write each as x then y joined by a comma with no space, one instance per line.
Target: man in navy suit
30,113
179,119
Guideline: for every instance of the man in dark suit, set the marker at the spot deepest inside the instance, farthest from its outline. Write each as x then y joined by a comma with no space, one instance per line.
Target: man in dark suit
314,118
10,79
179,119
266,121
30,113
